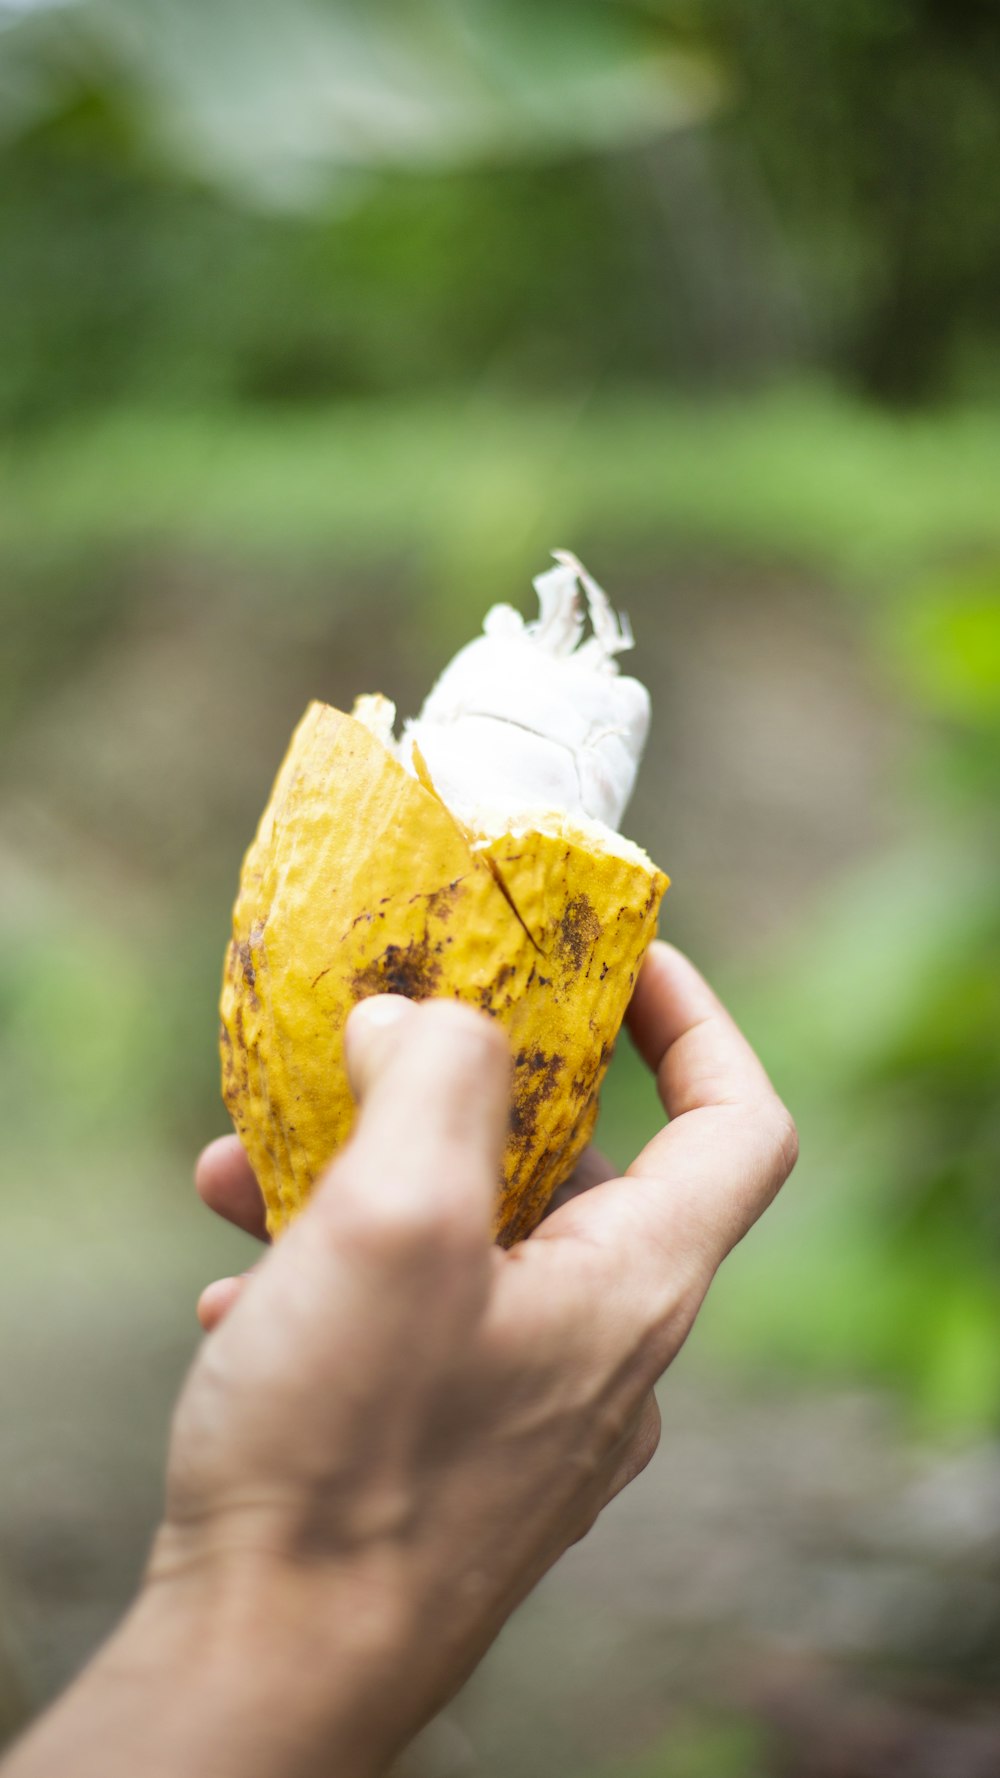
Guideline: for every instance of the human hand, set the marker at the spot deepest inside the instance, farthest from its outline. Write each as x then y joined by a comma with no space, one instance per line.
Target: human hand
396,1428
400,1427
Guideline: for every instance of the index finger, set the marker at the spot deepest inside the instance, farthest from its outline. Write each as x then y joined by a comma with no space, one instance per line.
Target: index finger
225,1181
730,1143
692,1045
706,1177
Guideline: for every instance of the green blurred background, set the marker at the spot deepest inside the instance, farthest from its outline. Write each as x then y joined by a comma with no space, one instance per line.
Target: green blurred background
320,326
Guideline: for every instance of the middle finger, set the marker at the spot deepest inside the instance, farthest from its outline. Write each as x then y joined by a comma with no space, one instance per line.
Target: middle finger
225,1181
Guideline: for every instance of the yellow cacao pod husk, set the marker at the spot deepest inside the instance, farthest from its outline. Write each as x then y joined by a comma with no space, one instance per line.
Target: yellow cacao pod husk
361,882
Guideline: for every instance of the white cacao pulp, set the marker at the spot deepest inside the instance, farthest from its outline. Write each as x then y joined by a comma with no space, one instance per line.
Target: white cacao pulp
532,715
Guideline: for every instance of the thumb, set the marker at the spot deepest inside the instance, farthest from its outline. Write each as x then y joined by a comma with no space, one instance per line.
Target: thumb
432,1083
371,1037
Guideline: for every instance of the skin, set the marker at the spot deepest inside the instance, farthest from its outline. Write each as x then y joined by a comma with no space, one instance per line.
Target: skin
394,1429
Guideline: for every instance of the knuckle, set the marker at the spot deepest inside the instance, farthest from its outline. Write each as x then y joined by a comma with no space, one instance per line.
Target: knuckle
658,1312
672,1314
584,1519
395,1221
610,1425
784,1137
646,1441
634,1453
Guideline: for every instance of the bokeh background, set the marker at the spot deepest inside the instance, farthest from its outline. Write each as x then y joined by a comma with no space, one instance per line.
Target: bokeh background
319,326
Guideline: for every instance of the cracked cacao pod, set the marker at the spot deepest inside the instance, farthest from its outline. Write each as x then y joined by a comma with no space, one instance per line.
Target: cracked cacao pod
456,863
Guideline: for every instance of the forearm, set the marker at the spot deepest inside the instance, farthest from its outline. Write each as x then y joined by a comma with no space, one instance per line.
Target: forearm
239,1684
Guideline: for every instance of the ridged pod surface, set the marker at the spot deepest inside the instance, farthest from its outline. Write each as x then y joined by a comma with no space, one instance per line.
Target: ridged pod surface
360,882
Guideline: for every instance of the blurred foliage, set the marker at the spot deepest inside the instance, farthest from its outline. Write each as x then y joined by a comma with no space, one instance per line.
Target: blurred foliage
875,126
142,135
910,991
296,204
796,477
881,1024
278,105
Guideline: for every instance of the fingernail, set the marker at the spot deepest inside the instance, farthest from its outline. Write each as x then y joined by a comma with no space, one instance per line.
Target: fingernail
379,1010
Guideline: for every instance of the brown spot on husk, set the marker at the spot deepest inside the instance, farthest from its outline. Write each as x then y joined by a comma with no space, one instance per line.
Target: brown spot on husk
242,955
488,997
583,1086
235,1063
536,1079
411,970
523,1214
578,931
229,1072
441,902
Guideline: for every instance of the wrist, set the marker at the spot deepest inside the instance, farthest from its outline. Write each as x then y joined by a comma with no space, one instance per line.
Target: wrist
257,1665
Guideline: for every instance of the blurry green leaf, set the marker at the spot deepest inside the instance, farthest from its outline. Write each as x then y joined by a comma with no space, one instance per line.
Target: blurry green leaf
945,638
280,101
